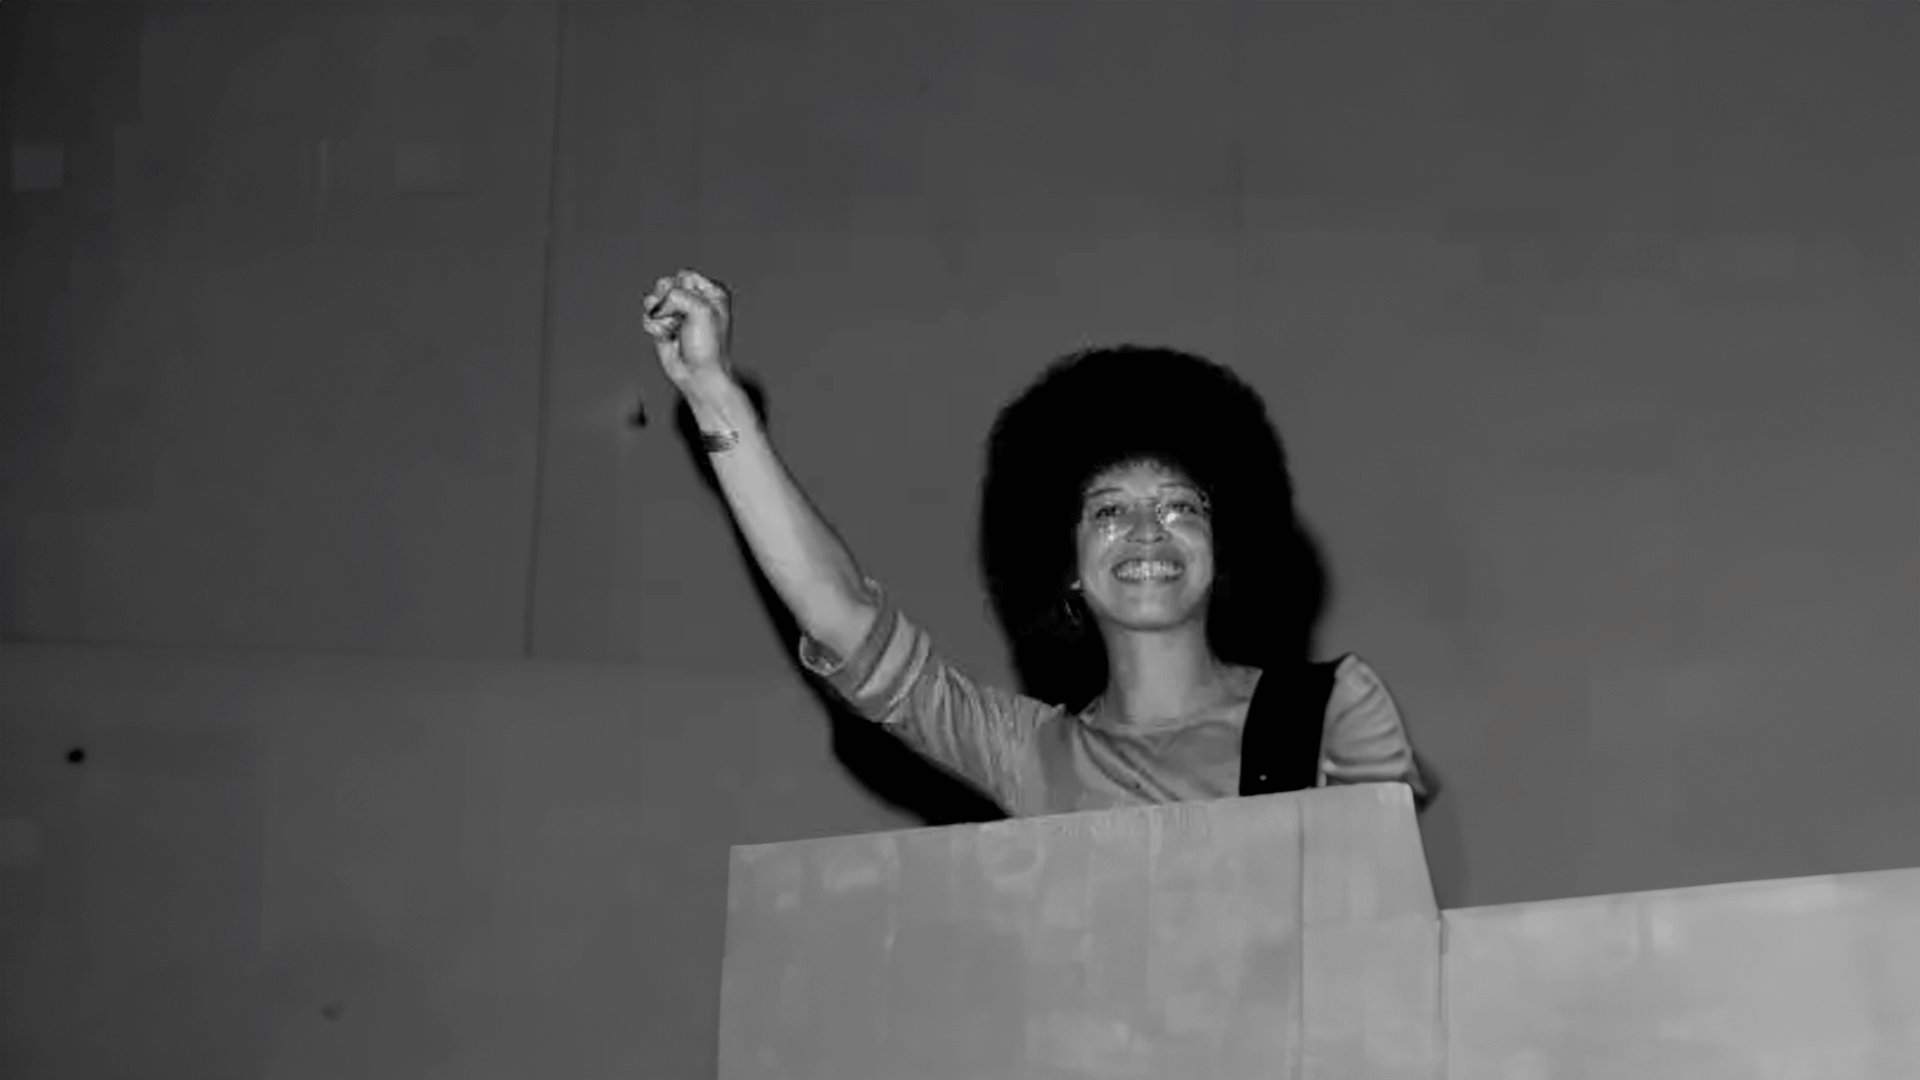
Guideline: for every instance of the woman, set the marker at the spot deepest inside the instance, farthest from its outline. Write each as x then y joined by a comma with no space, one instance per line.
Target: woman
1140,543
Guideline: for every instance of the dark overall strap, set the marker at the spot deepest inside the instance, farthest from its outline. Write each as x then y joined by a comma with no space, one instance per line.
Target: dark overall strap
1280,742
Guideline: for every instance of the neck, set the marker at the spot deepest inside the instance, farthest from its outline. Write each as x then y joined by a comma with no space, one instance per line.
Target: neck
1160,675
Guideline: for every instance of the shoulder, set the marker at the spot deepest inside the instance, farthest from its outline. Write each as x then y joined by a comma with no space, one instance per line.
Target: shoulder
1357,690
1356,684
1366,737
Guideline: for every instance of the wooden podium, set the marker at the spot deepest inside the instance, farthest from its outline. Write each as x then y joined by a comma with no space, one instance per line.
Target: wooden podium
1292,937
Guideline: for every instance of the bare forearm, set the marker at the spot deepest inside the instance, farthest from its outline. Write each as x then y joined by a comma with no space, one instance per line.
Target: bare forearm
806,562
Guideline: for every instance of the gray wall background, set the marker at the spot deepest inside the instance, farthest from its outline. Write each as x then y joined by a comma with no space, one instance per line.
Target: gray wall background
419,694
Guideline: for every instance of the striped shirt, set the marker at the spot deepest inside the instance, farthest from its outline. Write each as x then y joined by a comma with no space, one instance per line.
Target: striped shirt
1035,758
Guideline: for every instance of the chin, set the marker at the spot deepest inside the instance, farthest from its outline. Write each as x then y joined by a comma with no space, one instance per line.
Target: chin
1150,614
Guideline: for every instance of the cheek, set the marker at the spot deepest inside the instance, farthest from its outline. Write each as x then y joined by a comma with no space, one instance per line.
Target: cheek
1088,559
1200,544
1203,553
1200,555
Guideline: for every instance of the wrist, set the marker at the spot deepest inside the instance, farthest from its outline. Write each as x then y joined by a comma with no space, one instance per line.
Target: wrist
720,405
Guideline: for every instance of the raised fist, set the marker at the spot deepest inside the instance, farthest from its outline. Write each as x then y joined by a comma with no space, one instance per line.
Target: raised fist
687,316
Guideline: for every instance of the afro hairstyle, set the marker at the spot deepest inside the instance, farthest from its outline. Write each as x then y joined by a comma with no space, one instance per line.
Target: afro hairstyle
1099,408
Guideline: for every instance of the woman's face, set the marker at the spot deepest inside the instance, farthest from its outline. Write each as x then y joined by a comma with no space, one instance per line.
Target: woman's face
1145,539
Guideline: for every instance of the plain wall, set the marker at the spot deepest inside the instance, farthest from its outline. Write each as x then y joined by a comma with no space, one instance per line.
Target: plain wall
297,867
1590,327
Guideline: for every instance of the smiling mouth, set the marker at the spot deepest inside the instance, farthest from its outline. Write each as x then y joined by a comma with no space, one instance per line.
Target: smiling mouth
1143,570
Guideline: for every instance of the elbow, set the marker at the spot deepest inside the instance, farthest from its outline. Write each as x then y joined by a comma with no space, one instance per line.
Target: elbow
841,629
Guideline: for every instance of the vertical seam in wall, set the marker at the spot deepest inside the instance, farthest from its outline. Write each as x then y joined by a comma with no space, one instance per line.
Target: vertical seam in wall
1237,180
530,599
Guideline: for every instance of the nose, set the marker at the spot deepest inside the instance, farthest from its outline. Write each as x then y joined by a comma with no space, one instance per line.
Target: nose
1145,514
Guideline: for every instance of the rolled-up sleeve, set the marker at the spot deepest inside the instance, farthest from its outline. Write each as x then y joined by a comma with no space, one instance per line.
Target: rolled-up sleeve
897,679
1366,739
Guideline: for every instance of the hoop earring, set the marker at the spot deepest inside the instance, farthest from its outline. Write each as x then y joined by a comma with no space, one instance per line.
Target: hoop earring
1073,612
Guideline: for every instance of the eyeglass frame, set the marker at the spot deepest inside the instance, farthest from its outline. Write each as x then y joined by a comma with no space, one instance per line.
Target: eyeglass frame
1163,512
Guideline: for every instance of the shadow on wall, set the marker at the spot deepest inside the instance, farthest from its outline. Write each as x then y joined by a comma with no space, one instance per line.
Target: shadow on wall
889,769
1441,839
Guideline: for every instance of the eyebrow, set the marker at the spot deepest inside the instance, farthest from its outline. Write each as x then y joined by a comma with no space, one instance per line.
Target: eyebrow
1165,485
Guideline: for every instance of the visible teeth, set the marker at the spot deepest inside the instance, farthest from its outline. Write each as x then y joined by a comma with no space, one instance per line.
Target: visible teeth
1142,569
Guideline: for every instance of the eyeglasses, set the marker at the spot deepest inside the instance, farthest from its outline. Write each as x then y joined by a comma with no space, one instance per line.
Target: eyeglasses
1114,517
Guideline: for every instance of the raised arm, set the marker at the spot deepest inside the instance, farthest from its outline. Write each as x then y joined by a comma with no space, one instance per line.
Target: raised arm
688,318
880,663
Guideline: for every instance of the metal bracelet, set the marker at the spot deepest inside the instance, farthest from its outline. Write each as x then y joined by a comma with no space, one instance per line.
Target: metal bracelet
719,442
